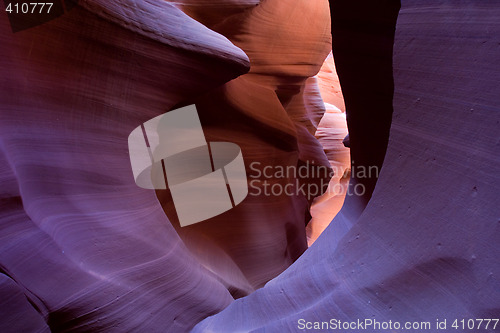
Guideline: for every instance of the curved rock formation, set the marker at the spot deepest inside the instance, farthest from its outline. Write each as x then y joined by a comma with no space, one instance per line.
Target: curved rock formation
331,131
83,249
97,252
272,113
425,246
89,249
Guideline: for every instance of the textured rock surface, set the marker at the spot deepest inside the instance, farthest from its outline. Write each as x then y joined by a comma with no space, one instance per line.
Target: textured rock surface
425,247
330,132
82,248
272,113
89,249
329,84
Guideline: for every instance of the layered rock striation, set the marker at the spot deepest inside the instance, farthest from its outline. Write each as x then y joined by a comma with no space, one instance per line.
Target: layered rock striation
424,247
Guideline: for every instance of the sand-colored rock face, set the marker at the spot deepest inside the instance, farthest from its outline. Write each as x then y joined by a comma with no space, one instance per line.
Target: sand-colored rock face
329,85
272,113
330,132
211,13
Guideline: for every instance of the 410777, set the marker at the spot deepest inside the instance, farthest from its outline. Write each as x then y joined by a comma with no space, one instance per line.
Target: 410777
475,324
29,8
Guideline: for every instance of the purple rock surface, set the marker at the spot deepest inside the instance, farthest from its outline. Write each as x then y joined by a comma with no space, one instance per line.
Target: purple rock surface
84,249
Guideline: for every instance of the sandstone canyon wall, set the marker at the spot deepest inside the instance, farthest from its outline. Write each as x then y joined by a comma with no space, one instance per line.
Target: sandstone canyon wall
425,247
83,249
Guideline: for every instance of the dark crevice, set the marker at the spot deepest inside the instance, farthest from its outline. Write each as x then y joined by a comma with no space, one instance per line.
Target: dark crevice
362,41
